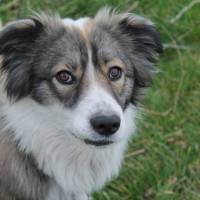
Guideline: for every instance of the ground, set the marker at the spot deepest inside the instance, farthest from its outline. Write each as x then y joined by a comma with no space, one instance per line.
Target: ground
163,160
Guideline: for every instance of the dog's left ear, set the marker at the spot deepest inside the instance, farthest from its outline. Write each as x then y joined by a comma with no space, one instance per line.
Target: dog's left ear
145,45
16,42
144,34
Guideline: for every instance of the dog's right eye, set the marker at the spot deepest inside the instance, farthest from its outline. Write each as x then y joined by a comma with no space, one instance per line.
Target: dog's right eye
115,73
65,77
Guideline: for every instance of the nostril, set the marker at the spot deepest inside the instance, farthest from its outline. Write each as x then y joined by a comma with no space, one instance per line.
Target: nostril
101,126
105,125
116,125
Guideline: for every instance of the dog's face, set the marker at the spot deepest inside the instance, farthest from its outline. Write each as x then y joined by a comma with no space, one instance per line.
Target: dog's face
74,86
93,69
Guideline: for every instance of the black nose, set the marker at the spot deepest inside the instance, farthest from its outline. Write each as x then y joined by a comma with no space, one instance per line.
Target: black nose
105,125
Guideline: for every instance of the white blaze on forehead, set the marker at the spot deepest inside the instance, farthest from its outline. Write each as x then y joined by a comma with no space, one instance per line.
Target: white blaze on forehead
96,94
79,23
102,100
97,100
83,25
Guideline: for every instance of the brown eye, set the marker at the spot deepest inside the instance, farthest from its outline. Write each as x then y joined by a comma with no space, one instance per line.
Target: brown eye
65,77
115,73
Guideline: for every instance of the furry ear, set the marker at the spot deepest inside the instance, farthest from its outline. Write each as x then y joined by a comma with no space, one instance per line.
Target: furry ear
16,43
143,33
145,46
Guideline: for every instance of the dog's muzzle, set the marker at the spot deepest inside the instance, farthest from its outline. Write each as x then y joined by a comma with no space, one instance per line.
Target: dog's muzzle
105,126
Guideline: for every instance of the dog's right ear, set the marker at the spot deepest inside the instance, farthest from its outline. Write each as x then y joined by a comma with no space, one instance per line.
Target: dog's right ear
17,35
16,43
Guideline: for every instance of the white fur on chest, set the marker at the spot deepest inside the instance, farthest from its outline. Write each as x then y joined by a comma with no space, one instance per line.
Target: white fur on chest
75,166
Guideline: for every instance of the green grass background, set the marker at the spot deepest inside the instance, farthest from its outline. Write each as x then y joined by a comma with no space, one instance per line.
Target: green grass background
163,161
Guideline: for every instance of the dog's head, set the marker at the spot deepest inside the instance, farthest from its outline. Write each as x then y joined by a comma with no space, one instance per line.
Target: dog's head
84,75
74,85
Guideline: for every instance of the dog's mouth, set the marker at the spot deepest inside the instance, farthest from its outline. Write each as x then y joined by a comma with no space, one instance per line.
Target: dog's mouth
98,142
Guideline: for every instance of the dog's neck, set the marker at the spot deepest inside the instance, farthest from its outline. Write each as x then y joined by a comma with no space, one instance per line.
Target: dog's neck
63,163
21,177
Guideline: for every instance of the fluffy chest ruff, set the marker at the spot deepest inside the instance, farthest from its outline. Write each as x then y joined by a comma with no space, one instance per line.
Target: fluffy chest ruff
76,166
69,96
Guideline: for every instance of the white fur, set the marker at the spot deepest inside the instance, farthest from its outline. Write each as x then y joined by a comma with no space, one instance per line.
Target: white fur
75,166
77,23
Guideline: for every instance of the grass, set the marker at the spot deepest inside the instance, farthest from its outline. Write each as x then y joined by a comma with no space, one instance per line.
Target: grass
163,161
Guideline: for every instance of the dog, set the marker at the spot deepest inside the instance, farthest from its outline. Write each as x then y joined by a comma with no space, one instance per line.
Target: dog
69,97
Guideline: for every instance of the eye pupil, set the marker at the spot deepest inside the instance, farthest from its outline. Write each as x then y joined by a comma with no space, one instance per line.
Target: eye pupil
64,77
115,73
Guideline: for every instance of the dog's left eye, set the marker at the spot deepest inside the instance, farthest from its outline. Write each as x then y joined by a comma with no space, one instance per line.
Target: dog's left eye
65,77
115,73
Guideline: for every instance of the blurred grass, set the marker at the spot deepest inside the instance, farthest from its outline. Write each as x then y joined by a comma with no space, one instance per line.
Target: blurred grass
163,161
